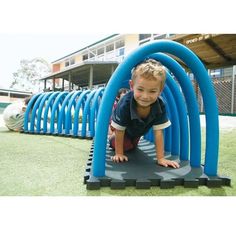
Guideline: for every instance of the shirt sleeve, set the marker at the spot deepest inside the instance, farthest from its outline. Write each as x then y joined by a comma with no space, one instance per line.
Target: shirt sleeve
121,115
162,120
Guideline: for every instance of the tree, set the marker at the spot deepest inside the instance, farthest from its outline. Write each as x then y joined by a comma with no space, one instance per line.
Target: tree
28,77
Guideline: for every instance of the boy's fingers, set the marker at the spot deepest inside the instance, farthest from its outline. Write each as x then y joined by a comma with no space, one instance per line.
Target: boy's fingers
174,164
119,158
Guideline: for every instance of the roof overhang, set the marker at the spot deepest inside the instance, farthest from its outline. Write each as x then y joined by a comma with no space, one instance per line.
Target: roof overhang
214,50
80,73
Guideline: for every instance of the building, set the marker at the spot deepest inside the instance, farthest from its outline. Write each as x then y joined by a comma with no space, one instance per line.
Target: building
10,95
92,66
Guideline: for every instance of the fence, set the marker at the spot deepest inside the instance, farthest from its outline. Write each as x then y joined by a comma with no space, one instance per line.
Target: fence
225,89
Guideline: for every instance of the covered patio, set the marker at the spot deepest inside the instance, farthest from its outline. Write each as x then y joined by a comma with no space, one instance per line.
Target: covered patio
85,74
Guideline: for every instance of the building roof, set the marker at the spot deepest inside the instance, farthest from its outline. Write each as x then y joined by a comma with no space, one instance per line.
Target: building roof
214,50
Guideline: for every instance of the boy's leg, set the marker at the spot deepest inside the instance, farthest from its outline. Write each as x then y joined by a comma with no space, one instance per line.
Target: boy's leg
129,144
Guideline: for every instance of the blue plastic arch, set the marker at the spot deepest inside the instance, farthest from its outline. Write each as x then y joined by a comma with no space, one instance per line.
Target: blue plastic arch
182,117
94,110
175,142
123,71
34,111
28,111
86,113
168,131
68,113
192,107
55,107
49,105
80,102
40,111
61,117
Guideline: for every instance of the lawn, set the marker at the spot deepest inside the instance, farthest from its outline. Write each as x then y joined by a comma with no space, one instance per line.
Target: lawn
37,165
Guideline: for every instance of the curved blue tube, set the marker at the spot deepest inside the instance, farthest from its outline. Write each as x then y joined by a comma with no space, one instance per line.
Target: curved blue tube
193,111
68,113
175,142
55,107
40,110
168,131
33,115
61,117
94,108
85,119
183,120
122,72
28,110
48,106
80,102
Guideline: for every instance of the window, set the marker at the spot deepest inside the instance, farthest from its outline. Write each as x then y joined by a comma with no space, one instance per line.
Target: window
67,63
109,47
85,57
120,44
144,36
120,52
70,62
100,51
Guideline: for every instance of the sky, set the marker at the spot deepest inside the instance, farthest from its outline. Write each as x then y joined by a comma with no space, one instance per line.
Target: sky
15,47
52,30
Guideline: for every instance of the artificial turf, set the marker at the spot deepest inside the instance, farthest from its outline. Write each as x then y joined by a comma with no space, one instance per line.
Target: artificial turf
38,165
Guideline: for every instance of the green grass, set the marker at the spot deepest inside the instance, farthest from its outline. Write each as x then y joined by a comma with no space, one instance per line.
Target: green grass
37,165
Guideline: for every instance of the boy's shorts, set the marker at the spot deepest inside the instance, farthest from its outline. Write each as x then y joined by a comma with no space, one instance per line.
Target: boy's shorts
129,144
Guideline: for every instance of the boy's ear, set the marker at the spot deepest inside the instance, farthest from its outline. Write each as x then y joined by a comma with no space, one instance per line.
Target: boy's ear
131,84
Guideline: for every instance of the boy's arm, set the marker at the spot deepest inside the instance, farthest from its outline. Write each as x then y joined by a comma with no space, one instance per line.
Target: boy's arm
119,150
159,143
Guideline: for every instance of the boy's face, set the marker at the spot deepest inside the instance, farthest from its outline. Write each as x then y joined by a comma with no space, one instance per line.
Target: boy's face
146,91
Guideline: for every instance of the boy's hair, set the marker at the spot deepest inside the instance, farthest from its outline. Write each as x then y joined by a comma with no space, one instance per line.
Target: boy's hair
122,90
150,69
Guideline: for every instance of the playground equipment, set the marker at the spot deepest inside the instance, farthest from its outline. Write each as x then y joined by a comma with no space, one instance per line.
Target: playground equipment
63,113
182,139
86,114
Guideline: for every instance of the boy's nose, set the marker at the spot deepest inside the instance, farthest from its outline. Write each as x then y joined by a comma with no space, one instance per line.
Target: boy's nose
145,95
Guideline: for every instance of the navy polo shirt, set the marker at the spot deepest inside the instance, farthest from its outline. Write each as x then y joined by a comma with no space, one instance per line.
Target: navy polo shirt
125,117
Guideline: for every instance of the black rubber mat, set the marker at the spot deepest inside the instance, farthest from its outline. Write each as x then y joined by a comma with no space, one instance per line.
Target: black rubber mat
142,172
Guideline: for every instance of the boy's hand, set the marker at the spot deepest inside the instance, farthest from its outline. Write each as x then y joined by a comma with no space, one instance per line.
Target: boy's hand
166,163
119,158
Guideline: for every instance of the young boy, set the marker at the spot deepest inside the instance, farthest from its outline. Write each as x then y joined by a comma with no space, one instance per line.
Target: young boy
139,110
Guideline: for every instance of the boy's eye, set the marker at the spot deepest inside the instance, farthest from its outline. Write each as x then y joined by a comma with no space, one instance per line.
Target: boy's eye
139,89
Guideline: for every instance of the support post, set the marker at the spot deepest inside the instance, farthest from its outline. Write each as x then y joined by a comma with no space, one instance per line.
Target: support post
53,84
45,84
233,89
63,84
91,77
69,81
